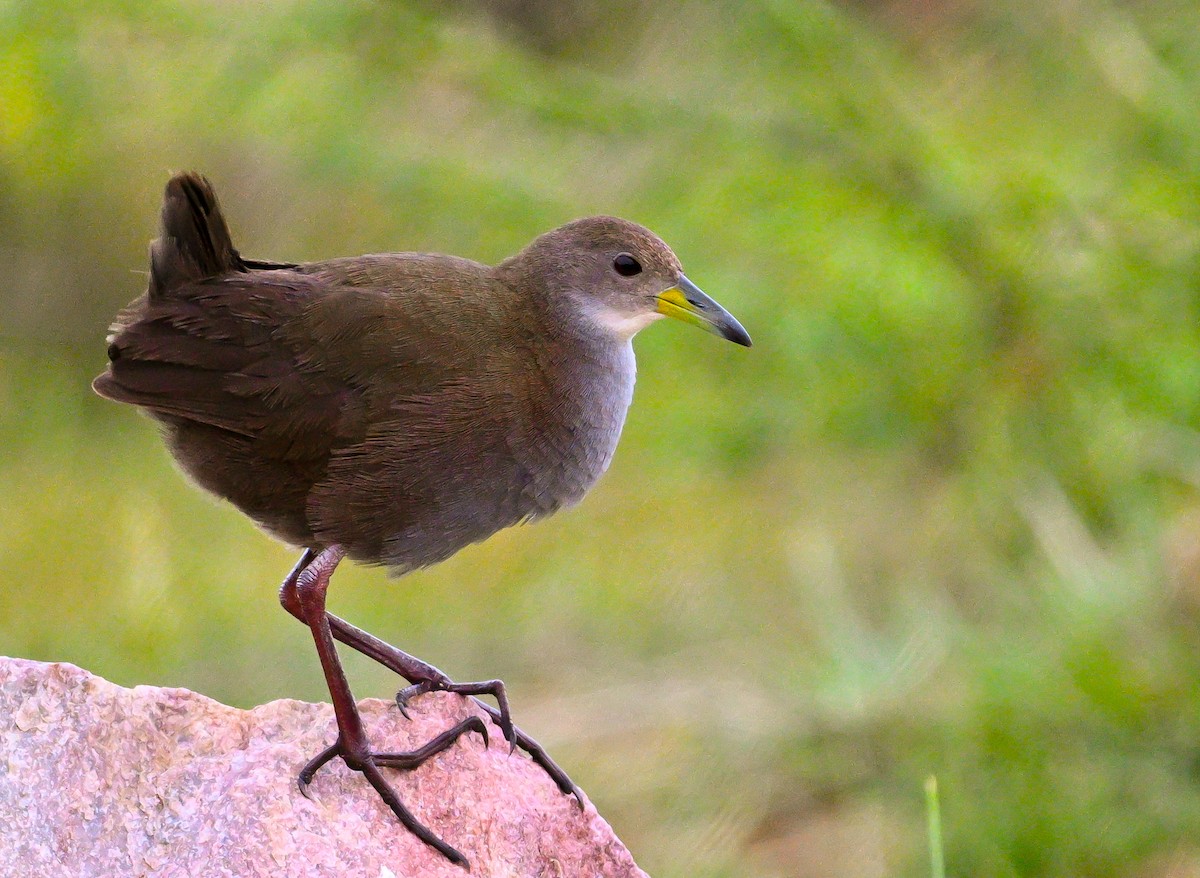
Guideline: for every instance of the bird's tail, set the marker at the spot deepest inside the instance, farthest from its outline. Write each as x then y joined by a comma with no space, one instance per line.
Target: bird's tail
194,242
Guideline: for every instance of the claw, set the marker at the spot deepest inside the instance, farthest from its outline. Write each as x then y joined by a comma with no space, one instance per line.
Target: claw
477,724
408,693
509,731
538,754
309,771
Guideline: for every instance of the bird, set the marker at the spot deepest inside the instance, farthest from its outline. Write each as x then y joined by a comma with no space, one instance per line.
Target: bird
392,409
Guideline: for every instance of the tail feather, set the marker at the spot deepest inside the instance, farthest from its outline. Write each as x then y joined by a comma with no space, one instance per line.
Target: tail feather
194,243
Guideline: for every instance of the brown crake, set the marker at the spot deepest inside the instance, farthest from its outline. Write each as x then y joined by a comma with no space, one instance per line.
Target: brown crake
392,408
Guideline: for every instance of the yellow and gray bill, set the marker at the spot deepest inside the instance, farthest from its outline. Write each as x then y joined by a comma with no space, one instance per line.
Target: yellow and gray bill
687,302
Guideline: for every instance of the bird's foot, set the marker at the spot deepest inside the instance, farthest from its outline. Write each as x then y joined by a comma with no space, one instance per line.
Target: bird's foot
501,716
494,688
368,763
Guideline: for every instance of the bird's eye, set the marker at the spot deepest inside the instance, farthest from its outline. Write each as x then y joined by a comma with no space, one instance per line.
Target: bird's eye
626,266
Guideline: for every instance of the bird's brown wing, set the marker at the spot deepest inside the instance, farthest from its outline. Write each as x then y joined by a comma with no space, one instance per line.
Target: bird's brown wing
267,379
212,353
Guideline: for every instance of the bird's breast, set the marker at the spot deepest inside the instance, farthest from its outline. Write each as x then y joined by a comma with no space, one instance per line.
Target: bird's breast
572,421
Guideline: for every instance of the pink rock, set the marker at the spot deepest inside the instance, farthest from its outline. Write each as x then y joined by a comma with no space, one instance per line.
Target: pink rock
97,780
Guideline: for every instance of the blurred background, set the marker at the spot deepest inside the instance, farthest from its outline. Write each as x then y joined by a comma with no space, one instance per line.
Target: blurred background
943,518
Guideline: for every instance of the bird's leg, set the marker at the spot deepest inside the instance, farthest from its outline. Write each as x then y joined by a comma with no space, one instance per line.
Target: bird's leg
305,590
421,674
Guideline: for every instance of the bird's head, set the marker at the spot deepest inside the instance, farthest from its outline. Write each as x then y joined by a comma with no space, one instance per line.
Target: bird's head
620,275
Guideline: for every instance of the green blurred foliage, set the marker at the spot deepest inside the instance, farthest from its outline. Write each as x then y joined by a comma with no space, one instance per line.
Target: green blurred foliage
942,519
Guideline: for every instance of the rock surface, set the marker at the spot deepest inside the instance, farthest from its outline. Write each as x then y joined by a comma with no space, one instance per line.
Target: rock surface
98,780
